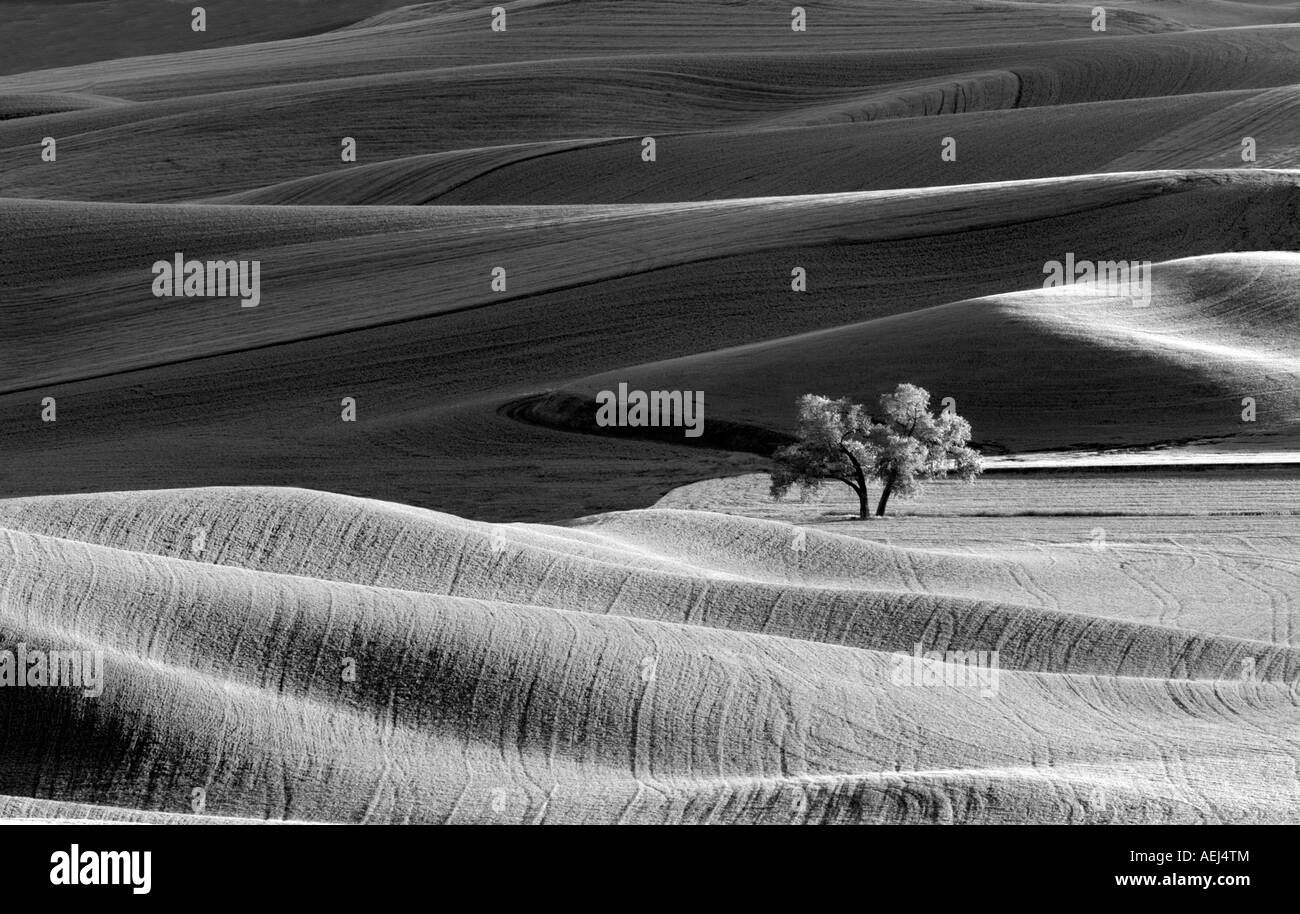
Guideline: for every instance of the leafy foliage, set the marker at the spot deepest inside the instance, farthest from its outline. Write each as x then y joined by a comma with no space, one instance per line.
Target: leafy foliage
909,443
832,445
904,444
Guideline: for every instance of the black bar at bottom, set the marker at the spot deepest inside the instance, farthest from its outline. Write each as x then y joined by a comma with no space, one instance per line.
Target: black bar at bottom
333,865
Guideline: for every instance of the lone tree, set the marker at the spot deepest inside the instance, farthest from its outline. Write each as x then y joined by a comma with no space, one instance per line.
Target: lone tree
906,443
909,444
832,445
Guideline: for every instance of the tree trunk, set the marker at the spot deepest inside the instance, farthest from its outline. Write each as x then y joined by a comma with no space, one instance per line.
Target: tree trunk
864,510
861,487
884,496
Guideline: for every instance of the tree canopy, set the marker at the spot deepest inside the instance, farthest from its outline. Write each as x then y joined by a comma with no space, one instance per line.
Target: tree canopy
832,445
901,445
